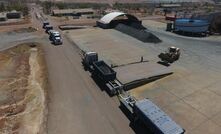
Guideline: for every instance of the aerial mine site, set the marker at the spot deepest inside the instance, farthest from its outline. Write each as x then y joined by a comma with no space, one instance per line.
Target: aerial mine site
110,67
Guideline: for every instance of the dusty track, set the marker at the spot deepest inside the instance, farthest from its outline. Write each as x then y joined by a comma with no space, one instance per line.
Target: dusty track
23,103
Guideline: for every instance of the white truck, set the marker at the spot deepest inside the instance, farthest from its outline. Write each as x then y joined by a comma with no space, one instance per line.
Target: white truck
55,37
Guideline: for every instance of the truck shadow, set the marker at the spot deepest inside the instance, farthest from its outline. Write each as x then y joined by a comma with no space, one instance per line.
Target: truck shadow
101,85
163,63
138,127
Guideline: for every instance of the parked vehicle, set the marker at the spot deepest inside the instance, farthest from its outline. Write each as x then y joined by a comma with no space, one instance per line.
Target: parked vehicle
102,71
45,23
57,40
53,33
48,28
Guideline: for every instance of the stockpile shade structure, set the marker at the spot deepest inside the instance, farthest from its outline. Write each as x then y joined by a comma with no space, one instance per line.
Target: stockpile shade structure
108,21
191,25
138,32
131,26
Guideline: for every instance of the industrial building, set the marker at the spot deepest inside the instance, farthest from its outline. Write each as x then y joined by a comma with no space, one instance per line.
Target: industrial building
73,12
3,17
128,24
14,15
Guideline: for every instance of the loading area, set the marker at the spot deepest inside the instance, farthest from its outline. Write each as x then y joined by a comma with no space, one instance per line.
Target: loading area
134,75
134,64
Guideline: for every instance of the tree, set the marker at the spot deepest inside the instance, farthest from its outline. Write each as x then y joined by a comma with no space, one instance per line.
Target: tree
2,7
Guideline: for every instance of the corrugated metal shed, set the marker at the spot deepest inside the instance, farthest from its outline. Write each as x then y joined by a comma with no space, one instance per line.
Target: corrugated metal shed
14,14
152,114
105,21
3,17
109,17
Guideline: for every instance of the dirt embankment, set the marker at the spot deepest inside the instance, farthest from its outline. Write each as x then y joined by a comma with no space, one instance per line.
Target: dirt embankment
23,93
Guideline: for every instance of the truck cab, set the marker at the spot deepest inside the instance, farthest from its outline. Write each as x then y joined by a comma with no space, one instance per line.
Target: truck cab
53,33
55,37
48,28
45,23
57,40
89,58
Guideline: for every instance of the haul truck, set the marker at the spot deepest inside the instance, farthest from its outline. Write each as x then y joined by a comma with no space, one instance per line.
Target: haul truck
150,115
99,69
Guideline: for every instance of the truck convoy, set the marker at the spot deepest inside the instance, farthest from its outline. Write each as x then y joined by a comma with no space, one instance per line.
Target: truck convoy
150,115
54,36
105,74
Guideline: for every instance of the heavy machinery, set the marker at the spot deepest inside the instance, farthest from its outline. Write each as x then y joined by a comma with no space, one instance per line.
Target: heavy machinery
103,72
150,115
170,56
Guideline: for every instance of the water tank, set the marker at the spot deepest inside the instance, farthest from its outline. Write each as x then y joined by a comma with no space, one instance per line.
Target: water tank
191,25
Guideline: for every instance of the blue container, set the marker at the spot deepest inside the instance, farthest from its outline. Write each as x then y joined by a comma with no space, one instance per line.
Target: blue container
191,25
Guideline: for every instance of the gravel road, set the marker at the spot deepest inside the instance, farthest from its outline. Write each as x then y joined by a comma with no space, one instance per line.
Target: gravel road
76,104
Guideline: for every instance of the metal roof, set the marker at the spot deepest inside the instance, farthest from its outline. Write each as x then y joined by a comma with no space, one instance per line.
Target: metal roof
109,17
70,11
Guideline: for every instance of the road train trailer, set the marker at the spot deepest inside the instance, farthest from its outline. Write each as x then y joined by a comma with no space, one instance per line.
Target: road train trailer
101,71
150,115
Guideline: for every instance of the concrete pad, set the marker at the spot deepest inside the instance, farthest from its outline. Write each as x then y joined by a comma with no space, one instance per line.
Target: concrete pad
205,101
112,46
156,94
217,119
215,87
207,127
143,71
203,80
185,115
178,85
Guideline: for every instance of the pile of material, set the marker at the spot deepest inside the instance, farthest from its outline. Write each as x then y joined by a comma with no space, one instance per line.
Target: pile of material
138,32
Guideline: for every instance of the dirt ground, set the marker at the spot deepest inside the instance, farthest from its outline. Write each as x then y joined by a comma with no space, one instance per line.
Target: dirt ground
23,94
70,20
